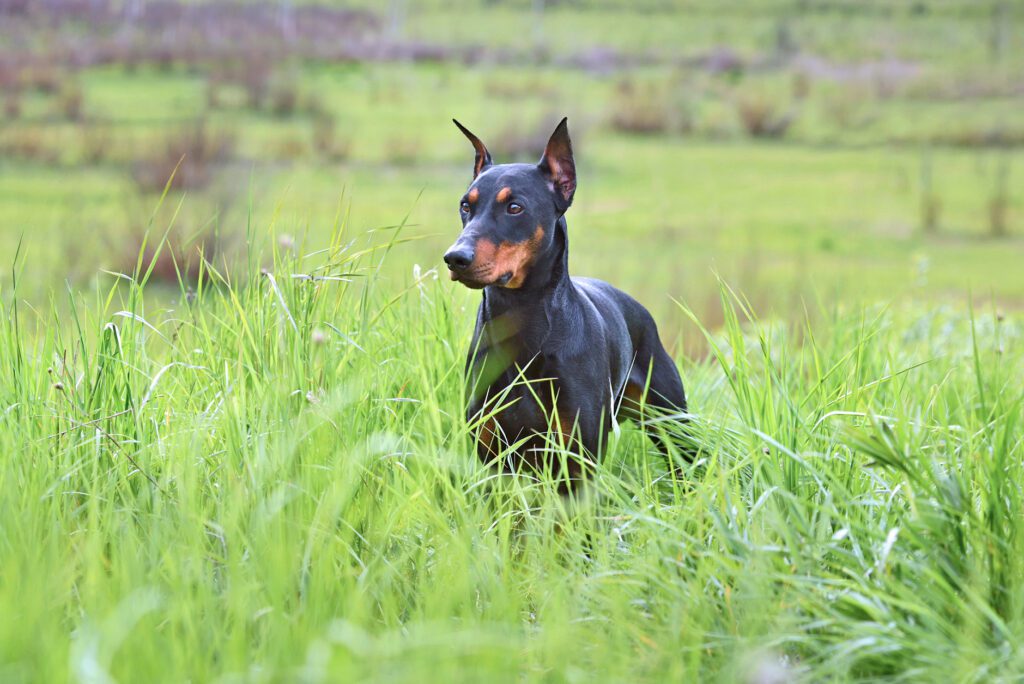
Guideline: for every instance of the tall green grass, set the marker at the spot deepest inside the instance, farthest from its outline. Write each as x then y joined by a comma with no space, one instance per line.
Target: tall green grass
273,481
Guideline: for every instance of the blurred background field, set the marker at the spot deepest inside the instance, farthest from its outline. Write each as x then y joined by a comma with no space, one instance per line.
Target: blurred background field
808,151
273,480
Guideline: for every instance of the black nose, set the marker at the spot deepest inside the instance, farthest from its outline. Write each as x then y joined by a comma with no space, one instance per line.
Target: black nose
459,258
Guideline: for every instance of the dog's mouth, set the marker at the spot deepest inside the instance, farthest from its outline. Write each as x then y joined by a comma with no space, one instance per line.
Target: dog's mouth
475,280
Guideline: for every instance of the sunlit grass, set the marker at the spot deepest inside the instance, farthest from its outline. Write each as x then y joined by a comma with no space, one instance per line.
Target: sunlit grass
273,480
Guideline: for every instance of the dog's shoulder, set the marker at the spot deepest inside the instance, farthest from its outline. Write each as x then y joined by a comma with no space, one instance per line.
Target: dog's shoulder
605,296
602,291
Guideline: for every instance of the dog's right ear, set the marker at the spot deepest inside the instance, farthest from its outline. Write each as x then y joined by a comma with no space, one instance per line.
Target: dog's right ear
558,166
483,157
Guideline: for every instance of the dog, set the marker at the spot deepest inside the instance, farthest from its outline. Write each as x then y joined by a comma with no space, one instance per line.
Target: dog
552,356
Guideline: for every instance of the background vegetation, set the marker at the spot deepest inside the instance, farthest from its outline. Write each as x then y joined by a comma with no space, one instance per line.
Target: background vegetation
232,420
797,148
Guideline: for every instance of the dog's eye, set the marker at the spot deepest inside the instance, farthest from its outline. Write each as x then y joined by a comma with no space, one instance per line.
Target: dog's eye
464,207
514,208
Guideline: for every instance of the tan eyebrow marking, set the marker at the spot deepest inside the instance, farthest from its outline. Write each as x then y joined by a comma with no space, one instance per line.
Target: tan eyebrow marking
474,195
504,194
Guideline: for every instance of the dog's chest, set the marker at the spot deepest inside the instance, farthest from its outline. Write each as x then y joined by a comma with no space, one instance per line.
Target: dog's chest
526,391
524,416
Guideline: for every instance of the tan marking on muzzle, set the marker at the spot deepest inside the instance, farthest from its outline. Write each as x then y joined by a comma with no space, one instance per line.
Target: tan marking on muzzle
507,257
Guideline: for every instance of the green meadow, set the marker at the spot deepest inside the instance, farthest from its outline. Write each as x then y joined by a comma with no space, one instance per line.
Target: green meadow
273,481
233,420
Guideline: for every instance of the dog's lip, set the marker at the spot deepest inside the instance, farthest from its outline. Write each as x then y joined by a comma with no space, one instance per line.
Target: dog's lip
469,282
475,284
472,284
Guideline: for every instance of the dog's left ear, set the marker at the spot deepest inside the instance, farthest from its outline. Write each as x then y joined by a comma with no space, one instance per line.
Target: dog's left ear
558,166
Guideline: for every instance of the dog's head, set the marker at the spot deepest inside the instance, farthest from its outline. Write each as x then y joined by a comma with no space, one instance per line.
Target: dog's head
509,213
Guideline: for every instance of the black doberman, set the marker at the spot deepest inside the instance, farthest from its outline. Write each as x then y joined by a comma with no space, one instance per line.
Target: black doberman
551,354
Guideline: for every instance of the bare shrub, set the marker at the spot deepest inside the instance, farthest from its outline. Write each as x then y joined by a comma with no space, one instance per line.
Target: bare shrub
162,57
196,236
998,137
931,203
130,57
683,112
194,151
655,108
264,87
931,212
12,103
998,215
718,124
323,131
801,85
290,148
28,144
639,109
786,43
976,86
167,264
70,100
255,78
887,85
283,93
43,76
326,141
999,201
313,104
96,142
8,76
848,107
763,116
214,99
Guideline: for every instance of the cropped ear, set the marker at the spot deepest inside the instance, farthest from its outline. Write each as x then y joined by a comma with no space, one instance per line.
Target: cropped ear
558,166
483,157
